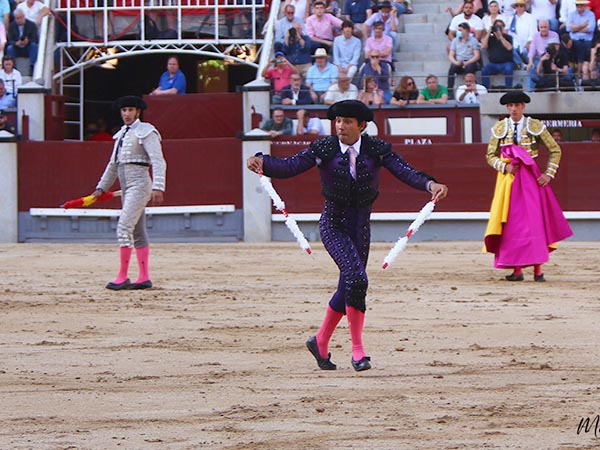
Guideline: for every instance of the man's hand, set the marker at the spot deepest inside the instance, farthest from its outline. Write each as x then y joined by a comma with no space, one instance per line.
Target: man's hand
543,180
438,191
97,193
158,197
255,164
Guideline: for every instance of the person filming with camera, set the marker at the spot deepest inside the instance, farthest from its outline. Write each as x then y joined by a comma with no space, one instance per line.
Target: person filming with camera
297,48
500,53
279,72
553,67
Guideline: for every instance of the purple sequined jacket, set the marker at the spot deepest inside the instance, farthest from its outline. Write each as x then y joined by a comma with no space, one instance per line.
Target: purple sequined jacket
337,184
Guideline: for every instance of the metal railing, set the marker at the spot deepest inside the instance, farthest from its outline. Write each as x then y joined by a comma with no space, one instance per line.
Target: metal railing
102,22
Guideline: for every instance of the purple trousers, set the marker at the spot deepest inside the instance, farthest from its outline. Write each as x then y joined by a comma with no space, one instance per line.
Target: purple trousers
346,235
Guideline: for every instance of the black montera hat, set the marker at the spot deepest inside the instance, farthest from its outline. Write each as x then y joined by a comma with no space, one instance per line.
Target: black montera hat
350,108
514,97
130,100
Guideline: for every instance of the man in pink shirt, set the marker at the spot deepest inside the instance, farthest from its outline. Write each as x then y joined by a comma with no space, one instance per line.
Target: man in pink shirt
379,41
320,26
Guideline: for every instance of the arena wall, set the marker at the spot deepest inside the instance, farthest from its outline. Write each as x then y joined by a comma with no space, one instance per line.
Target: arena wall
209,172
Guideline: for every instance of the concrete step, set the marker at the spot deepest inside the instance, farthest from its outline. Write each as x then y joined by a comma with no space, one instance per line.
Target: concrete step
432,55
23,65
420,47
423,67
426,18
430,8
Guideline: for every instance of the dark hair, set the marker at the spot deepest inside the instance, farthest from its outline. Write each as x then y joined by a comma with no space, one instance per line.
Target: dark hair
565,38
347,24
464,25
379,23
8,58
173,57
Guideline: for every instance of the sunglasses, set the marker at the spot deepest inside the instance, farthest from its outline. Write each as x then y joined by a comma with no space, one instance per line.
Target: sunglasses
374,56
410,83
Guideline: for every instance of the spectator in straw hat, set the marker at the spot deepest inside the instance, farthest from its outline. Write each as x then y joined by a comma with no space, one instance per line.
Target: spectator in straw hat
321,75
521,27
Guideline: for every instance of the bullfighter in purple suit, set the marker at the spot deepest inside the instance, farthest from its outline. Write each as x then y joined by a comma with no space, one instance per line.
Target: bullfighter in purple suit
349,165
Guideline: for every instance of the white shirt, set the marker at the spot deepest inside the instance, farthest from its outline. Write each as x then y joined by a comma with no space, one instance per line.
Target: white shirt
333,93
525,27
470,97
31,13
520,124
487,21
474,22
543,9
566,8
356,145
12,81
314,123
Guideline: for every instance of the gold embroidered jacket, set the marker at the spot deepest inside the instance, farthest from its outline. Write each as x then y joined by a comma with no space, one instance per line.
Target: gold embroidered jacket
533,131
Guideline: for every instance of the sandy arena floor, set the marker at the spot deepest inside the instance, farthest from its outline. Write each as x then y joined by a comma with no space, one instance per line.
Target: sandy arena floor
213,357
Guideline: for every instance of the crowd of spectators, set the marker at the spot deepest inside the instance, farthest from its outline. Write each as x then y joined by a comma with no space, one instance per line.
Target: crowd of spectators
348,51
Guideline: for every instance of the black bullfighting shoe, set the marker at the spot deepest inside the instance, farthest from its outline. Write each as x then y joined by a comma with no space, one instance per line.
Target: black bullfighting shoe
363,364
119,286
324,364
142,285
539,278
514,277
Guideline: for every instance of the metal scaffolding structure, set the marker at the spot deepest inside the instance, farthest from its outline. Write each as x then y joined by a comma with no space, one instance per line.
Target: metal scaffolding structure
94,33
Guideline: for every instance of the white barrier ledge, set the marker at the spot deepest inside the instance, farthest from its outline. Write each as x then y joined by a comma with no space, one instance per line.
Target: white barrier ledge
386,217
153,210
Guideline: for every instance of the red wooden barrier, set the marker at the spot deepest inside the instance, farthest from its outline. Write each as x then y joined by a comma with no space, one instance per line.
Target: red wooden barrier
463,168
209,171
199,172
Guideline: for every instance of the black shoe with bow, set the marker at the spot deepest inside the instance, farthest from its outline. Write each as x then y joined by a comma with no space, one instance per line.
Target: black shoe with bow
119,286
514,277
363,364
143,285
323,363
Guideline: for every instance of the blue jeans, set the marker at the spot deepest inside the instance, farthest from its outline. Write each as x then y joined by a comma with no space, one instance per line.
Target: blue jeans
491,68
520,56
532,76
30,51
401,7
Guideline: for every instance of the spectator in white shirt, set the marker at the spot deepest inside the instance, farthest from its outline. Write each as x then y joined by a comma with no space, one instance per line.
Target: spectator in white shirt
521,27
468,15
342,90
545,10
468,93
11,76
34,10
307,124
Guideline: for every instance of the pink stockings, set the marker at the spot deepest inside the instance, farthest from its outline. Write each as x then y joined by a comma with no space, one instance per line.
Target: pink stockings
356,321
143,255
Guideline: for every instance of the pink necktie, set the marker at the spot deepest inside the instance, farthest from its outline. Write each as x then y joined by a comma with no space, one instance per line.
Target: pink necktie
352,154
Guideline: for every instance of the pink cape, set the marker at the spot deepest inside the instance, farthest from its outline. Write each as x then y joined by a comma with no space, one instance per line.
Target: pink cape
535,220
